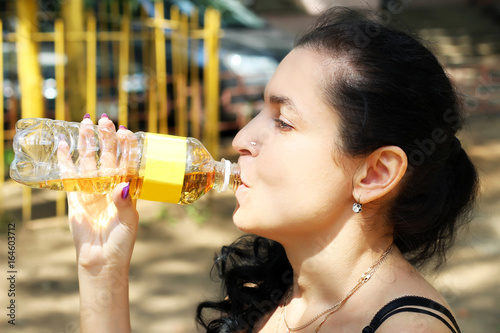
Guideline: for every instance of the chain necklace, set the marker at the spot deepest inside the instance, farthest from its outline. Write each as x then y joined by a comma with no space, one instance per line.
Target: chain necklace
328,312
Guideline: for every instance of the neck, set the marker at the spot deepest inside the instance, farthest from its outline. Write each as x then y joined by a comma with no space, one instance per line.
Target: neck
327,267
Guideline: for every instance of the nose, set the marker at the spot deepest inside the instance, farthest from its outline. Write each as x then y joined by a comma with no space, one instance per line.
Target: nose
248,141
242,142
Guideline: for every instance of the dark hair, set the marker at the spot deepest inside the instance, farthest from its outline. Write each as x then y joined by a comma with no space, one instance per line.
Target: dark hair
255,273
389,90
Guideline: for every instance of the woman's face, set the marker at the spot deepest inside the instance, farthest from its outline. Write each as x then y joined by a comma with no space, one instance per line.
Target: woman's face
292,184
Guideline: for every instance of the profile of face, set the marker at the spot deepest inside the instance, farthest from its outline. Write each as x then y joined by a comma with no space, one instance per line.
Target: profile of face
295,181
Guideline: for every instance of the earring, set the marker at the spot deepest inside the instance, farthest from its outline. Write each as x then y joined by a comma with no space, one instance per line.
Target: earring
356,207
253,143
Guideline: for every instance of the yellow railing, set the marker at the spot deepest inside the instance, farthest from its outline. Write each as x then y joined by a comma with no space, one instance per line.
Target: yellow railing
195,115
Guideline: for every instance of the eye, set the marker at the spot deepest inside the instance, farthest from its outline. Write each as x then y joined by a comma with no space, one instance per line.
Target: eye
281,125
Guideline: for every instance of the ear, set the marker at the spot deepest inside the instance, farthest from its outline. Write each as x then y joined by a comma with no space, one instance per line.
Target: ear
379,173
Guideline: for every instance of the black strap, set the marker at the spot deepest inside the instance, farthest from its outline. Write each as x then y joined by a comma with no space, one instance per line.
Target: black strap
406,304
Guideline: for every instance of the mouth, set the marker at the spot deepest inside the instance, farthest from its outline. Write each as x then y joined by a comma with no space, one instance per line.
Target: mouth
243,183
242,187
240,178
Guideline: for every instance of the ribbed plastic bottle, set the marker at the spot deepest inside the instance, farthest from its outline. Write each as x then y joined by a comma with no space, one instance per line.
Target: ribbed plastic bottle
70,156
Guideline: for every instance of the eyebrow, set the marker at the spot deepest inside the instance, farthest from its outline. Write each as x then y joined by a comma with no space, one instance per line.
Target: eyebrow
280,99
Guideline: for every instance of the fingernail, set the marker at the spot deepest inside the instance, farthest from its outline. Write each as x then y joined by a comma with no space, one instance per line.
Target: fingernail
122,127
104,116
87,116
125,191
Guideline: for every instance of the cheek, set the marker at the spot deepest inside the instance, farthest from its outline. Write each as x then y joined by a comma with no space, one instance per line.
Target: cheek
302,174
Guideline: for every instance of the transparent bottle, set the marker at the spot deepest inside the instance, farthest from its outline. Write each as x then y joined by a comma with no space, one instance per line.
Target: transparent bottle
70,156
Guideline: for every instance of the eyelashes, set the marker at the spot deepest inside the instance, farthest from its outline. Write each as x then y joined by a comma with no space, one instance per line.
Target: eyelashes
281,125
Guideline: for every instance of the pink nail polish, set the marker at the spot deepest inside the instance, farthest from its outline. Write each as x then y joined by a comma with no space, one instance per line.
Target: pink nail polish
122,127
104,116
87,116
125,191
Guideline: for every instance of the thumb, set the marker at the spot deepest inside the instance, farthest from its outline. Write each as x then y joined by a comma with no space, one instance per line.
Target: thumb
125,205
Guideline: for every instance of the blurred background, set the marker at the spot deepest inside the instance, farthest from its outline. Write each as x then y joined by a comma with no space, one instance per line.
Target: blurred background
198,68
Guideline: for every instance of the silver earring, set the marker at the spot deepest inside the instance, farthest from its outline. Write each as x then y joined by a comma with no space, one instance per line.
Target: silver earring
357,206
253,143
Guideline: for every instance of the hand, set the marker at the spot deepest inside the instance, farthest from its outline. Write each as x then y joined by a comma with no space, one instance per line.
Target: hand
104,229
104,226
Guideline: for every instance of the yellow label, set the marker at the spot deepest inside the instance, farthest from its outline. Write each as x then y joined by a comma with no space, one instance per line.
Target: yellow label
164,169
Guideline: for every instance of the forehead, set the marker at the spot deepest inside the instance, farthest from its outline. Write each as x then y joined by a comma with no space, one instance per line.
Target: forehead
299,70
300,78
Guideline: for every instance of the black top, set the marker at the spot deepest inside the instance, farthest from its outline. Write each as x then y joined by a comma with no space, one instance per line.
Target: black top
412,304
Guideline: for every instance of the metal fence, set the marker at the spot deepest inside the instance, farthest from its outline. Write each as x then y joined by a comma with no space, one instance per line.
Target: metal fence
152,95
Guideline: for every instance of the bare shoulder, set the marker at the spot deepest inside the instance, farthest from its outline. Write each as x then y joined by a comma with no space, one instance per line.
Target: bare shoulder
427,311
409,322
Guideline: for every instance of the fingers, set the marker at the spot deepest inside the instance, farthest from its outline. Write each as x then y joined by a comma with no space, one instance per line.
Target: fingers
64,161
127,212
124,139
105,152
87,149
108,146
130,154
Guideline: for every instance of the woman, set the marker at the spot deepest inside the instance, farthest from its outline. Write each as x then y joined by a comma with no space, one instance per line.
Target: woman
352,177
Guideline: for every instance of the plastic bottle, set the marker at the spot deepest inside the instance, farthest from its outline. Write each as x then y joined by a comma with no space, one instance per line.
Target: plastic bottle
70,156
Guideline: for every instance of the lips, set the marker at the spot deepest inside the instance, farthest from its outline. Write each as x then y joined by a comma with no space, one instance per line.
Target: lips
242,179
242,187
243,183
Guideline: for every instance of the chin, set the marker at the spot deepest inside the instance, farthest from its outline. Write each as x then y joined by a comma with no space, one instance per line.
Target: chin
253,226
240,222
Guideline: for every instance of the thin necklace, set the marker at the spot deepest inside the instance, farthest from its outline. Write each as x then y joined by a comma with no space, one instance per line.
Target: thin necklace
364,278
279,318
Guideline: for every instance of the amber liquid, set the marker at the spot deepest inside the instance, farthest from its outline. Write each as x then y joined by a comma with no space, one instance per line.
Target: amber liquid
196,184
94,185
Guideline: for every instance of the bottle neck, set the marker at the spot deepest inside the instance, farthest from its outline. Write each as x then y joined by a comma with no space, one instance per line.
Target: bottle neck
227,176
